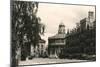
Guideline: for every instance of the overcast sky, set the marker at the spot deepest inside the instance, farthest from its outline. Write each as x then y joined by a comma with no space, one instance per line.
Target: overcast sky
53,14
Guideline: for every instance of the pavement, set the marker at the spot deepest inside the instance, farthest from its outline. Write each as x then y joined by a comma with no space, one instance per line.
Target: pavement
48,61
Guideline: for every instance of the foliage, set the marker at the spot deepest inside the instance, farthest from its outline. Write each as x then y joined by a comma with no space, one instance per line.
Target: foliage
25,26
81,42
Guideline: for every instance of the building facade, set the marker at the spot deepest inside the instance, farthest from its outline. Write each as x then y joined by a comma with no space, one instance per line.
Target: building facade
56,43
38,50
88,23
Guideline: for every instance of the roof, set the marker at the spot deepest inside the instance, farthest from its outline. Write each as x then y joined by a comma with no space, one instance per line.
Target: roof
61,24
57,36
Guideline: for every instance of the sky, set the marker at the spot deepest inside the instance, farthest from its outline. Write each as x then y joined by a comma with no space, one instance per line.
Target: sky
53,14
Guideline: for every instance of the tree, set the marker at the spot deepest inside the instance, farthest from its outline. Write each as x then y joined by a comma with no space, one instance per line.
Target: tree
24,27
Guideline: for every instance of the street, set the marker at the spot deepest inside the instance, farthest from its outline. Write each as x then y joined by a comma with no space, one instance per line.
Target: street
47,61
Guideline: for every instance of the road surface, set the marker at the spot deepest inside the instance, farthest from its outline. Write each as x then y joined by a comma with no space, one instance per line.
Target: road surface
47,61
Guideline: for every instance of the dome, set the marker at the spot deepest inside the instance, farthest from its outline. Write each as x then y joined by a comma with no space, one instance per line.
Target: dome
61,24
61,29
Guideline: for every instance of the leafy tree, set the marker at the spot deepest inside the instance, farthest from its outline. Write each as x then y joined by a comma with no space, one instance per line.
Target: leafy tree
25,27
81,42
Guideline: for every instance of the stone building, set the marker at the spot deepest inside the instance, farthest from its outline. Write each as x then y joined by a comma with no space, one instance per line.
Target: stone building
88,23
56,43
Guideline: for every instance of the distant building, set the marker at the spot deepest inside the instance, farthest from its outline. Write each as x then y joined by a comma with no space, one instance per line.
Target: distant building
88,23
39,49
56,43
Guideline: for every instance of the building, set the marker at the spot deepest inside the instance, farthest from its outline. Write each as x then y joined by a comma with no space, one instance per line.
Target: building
41,47
87,23
56,43
38,50
29,50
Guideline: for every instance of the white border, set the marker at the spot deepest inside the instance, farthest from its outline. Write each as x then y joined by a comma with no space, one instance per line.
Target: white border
5,33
